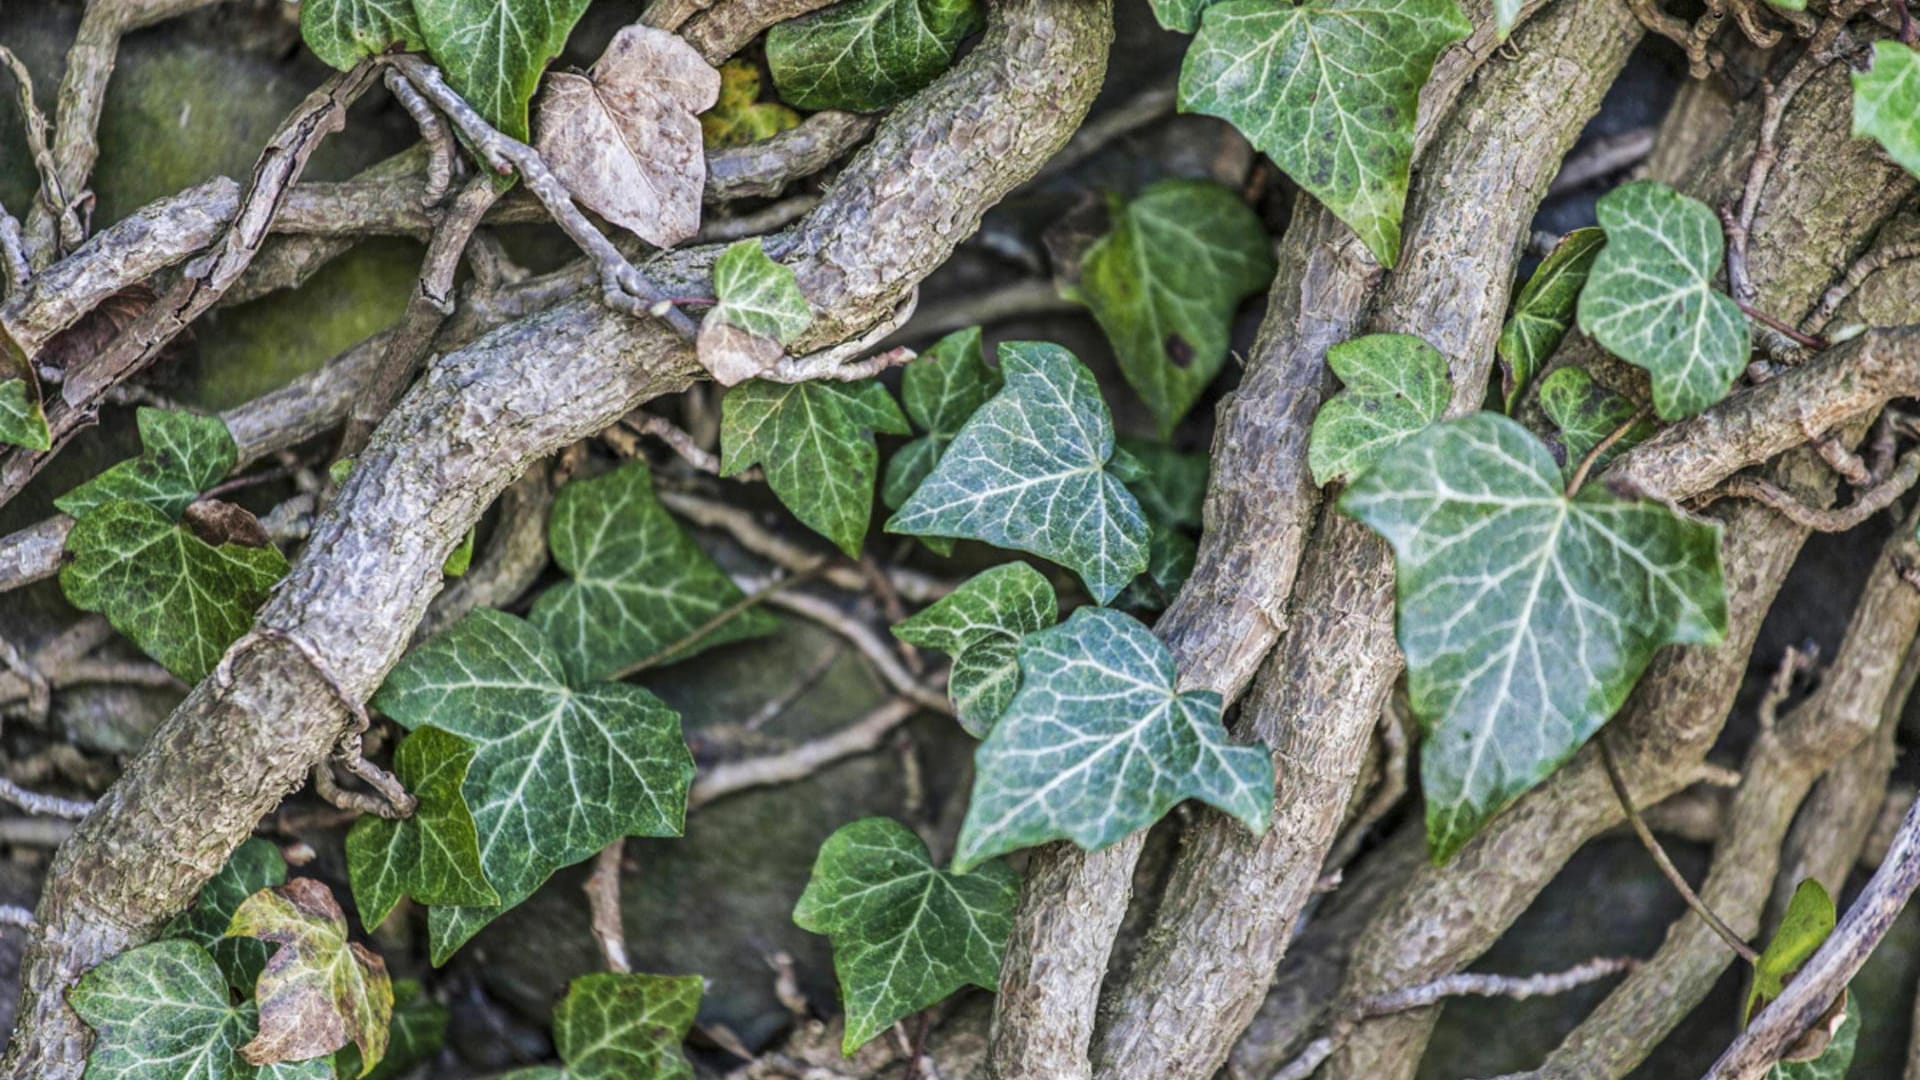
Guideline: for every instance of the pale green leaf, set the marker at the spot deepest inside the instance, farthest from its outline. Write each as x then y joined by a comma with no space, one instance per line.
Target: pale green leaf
182,456
1181,15
560,769
1164,283
1329,90
1394,386
638,583
319,991
980,625
1586,413
162,1011
941,389
1650,300
815,441
419,1030
622,1027
1834,1061
1525,616
1809,919
865,55
433,856
1098,743
1886,102
1029,472
1507,12
905,933
757,294
344,32
493,51
22,423
254,865
1544,310
180,599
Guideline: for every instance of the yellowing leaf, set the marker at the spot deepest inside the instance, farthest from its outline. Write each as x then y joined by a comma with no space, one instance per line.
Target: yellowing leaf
319,991
1808,921
625,137
741,117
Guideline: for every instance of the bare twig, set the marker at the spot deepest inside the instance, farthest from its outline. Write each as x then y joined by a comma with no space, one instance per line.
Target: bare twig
877,651
1868,264
1608,156
1838,519
862,736
1143,110
433,133
603,902
646,423
34,802
14,268
749,533
17,917
754,598
51,198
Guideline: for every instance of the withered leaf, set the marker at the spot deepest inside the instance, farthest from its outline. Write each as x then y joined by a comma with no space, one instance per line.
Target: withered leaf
319,991
625,137
220,522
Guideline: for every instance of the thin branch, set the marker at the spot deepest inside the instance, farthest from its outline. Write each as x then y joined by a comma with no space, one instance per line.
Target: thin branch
862,736
1838,519
603,902
51,198
433,133
17,917
877,651
34,802
1579,476
14,268
1652,844
1868,264
683,444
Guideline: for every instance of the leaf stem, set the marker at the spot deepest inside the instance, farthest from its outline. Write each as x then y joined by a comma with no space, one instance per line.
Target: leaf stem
1734,941
1579,476
1766,320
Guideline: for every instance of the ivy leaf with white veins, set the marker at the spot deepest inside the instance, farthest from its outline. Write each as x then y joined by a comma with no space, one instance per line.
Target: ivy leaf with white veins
1164,283
638,583
23,422
760,310
622,1027
815,441
344,32
905,933
433,856
256,864
319,991
1525,616
1395,385
1029,471
1649,298
1098,743
163,1012
1586,413
1544,310
865,55
1181,15
625,137
1886,102
560,769
182,455
1329,90
980,625
941,390
180,599
493,51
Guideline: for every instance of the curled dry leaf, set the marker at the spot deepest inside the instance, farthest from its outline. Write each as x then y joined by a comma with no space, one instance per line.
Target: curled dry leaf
625,137
319,991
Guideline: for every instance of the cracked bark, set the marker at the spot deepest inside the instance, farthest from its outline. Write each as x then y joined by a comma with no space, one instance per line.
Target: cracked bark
247,735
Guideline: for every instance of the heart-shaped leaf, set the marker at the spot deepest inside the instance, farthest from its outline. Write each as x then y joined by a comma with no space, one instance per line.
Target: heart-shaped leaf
815,441
319,991
865,55
433,856
344,32
182,456
980,625
493,51
1395,385
760,310
622,1027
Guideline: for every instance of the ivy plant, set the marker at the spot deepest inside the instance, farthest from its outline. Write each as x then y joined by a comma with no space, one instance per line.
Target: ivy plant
1394,385
1543,312
864,55
612,1027
980,625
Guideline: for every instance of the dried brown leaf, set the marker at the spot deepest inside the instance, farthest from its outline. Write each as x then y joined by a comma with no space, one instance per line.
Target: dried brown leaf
625,138
319,991
219,522
732,355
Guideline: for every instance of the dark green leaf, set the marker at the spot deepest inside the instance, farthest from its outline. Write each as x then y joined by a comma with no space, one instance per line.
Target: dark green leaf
493,51
905,933
433,856
183,456
344,32
22,423
815,441
1544,310
980,625
1395,385
865,55
256,864
622,1027
1586,413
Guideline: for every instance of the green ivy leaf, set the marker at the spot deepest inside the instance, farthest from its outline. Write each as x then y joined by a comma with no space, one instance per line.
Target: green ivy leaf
1164,283
1507,12
740,118
1098,743
638,582
183,455
559,769
493,51
1834,1061
419,1030
22,423
1171,485
815,441
760,310
980,625
905,933
1395,385
1886,102
163,1012
1181,15
344,32
433,856
256,864
1586,413
620,1027
319,991
1544,310
1029,472
178,598
941,389
1809,919
865,55
1329,90
1650,300
1525,616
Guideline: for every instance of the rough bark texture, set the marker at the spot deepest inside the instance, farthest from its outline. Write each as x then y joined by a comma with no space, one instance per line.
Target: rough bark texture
247,735
1229,910
1828,195
1260,505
